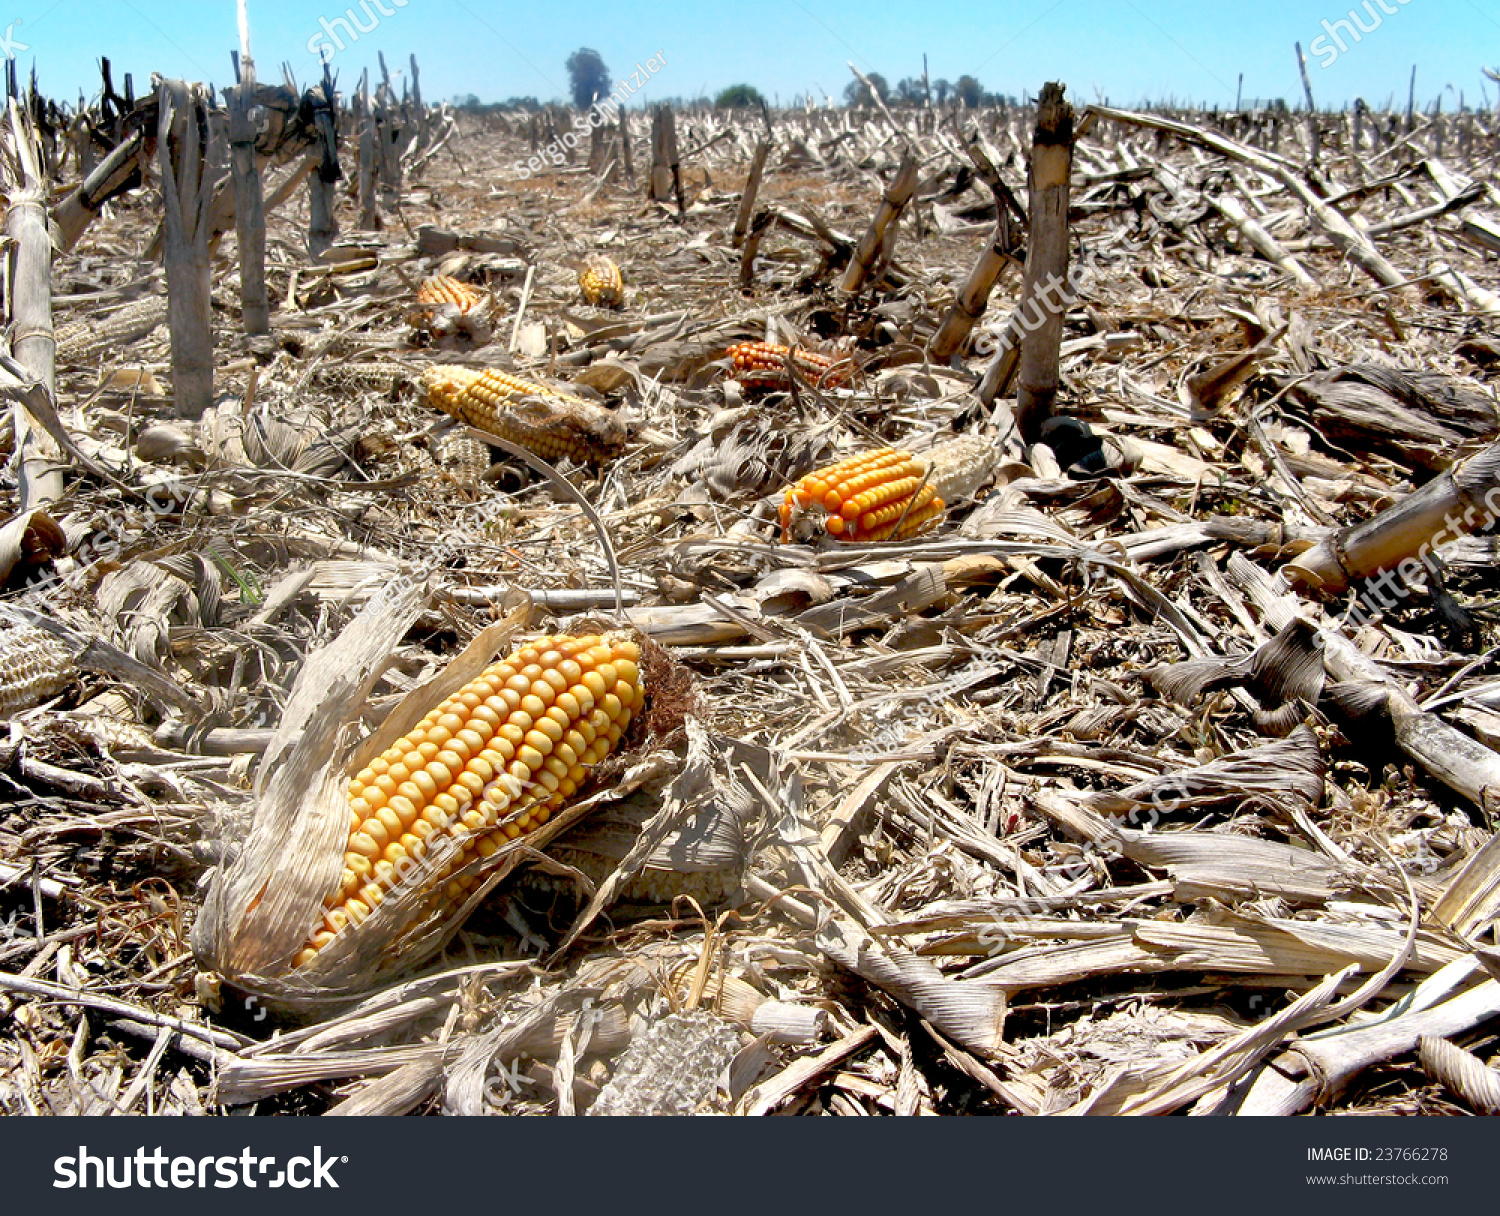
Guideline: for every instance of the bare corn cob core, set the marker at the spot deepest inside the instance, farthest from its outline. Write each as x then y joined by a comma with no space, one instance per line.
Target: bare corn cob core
372,377
763,365
547,421
81,339
441,289
671,1069
601,282
376,343
464,458
33,667
490,764
880,495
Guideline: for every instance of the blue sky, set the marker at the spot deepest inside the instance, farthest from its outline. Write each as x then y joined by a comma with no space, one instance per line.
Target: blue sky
1125,50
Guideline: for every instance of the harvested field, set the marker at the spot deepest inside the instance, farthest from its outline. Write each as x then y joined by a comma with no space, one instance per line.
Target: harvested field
1152,777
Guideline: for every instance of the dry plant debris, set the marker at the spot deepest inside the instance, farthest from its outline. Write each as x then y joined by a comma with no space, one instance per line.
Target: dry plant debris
1068,804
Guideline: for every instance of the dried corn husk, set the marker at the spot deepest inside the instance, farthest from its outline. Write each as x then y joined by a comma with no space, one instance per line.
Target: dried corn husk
699,827
260,909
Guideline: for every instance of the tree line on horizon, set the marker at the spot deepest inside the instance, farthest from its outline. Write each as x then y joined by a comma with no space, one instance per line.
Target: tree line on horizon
589,79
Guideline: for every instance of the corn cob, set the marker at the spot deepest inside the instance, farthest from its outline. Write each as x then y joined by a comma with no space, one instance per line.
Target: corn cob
673,1068
880,495
889,494
462,457
33,667
601,281
79,340
386,378
490,764
350,344
112,735
543,420
763,365
441,289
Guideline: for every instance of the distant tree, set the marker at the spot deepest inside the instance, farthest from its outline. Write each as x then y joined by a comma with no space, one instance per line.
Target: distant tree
856,94
588,76
521,103
941,89
968,91
739,95
910,91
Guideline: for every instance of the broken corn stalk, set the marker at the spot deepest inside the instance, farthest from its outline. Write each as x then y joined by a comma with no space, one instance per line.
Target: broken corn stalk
1402,537
492,763
601,282
887,494
763,365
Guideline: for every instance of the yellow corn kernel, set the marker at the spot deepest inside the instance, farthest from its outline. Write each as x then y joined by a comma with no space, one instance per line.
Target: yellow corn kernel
545,420
441,289
497,776
601,282
880,495
764,365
